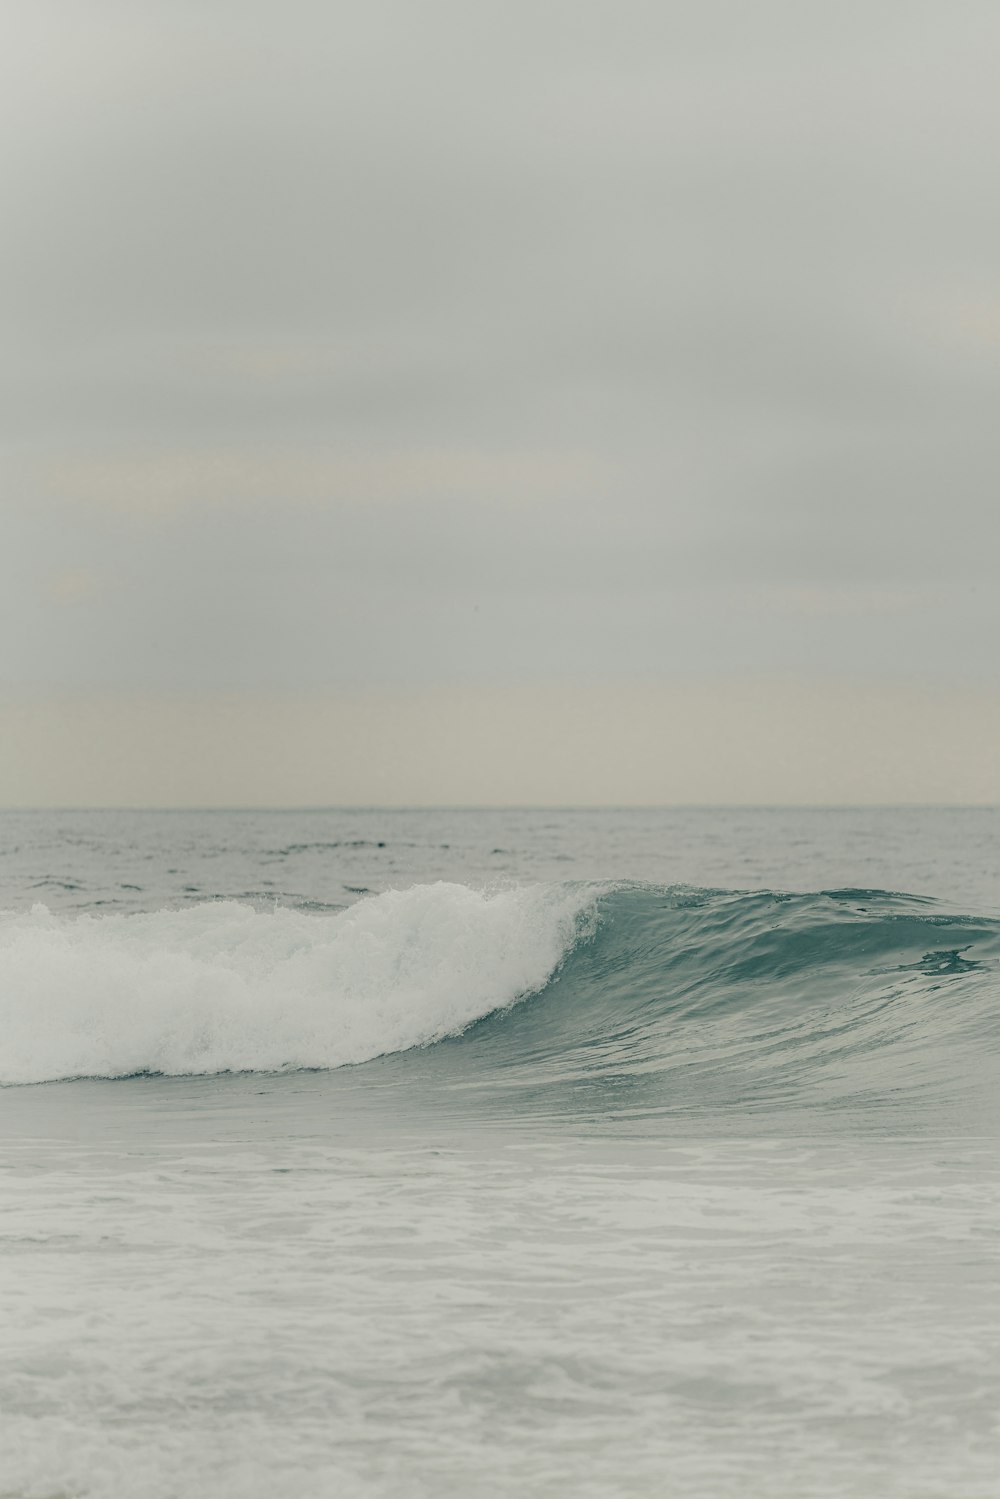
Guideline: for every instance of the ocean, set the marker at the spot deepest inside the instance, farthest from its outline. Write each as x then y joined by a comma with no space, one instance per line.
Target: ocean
481,1153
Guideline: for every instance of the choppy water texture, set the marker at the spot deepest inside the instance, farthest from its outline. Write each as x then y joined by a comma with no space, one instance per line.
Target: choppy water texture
491,1153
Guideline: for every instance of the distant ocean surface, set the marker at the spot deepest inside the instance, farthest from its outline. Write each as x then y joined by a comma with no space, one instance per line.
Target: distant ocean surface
464,1153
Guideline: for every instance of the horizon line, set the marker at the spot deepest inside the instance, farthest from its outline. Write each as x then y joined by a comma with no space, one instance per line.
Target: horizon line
523,807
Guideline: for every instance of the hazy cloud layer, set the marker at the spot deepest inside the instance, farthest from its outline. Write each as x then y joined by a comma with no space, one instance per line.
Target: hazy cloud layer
769,742
453,343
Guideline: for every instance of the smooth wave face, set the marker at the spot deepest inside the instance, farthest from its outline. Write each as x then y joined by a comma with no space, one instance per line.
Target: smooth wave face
223,987
687,1002
638,1000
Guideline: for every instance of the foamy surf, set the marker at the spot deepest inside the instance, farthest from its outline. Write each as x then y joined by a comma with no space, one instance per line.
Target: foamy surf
223,987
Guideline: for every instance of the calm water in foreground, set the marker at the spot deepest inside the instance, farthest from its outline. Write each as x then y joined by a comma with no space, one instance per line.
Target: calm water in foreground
481,1154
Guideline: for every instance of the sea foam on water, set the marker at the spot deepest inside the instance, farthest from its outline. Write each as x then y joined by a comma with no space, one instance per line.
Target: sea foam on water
222,987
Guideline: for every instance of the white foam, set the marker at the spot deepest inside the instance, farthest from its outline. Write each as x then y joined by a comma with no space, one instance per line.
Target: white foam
222,987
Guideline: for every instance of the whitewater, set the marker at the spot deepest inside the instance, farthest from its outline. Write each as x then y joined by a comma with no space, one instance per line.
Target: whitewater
466,1153
222,987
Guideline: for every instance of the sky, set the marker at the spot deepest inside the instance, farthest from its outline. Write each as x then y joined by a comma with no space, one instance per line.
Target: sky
499,402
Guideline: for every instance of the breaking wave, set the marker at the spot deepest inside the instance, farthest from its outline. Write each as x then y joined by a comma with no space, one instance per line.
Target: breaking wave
634,999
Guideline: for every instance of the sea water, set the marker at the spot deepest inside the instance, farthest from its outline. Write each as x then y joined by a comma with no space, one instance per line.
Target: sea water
491,1153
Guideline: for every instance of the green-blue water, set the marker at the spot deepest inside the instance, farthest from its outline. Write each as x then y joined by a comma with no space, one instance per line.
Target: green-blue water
481,1154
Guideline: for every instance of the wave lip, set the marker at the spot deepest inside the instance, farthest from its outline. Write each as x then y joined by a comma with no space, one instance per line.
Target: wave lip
222,987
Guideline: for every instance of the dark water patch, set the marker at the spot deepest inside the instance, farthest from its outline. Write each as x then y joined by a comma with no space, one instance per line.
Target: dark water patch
328,846
950,961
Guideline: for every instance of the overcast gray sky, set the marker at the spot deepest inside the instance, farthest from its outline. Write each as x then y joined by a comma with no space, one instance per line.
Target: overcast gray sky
416,352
